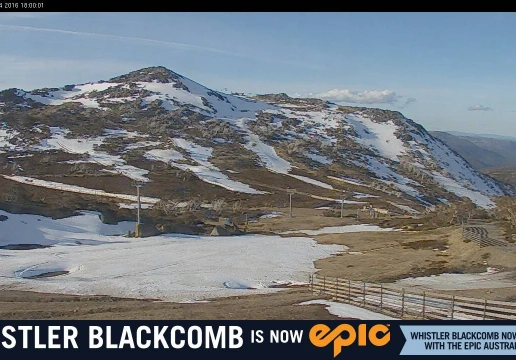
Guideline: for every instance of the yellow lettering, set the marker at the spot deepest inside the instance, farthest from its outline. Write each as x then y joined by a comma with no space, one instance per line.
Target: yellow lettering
321,335
379,341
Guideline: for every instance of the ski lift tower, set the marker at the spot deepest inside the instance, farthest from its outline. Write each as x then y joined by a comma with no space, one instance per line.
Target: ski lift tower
342,196
138,185
290,192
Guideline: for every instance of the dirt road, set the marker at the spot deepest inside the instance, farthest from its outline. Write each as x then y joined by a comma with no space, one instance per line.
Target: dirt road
21,305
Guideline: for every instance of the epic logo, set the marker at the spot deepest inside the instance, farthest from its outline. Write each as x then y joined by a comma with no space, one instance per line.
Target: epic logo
321,335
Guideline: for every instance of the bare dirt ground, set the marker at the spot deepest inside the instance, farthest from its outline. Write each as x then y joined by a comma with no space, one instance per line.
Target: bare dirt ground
302,219
385,257
23,305
389,256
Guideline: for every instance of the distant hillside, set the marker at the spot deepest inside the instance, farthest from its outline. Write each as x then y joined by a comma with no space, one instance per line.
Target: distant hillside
494,155
505,174
489,136
478,151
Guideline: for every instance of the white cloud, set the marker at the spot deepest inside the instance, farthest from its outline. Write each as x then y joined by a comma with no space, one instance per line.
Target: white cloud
478,107
408,102
364,97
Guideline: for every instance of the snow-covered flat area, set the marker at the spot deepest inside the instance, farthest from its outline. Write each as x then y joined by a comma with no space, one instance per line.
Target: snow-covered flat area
484,280
339,230
347,311
171,267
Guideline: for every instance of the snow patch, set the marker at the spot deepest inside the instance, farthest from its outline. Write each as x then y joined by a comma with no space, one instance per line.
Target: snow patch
447,281
134,206
142,144
88,147
379,136
86,229
122,133
77,189
348,180
312,181
271,215
318,158
359,195
404,208
267,155
454,187
339,230
347,311
164,155
6,136
203,169
79,93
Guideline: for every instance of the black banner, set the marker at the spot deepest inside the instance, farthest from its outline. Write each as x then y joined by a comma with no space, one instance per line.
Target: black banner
175,6
256,339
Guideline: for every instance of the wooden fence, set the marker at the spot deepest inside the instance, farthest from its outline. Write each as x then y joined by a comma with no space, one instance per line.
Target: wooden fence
410,304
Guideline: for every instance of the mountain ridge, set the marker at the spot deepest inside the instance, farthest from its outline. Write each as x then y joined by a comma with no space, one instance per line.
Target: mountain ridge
481,135
130,124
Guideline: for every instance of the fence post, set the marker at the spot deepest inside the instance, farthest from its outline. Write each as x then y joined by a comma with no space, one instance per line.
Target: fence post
311,282
349,291
381,298
336,287
452,306
485,306
402,302
363,292
324,283
424,298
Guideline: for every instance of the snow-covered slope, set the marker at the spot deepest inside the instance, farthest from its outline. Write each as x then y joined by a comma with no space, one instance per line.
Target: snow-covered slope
133,122
206,171
170,89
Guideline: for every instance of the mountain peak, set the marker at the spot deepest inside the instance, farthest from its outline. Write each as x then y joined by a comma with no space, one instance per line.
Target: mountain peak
150,74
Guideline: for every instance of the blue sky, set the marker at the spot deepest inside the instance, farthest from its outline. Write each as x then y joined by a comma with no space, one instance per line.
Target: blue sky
447,71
